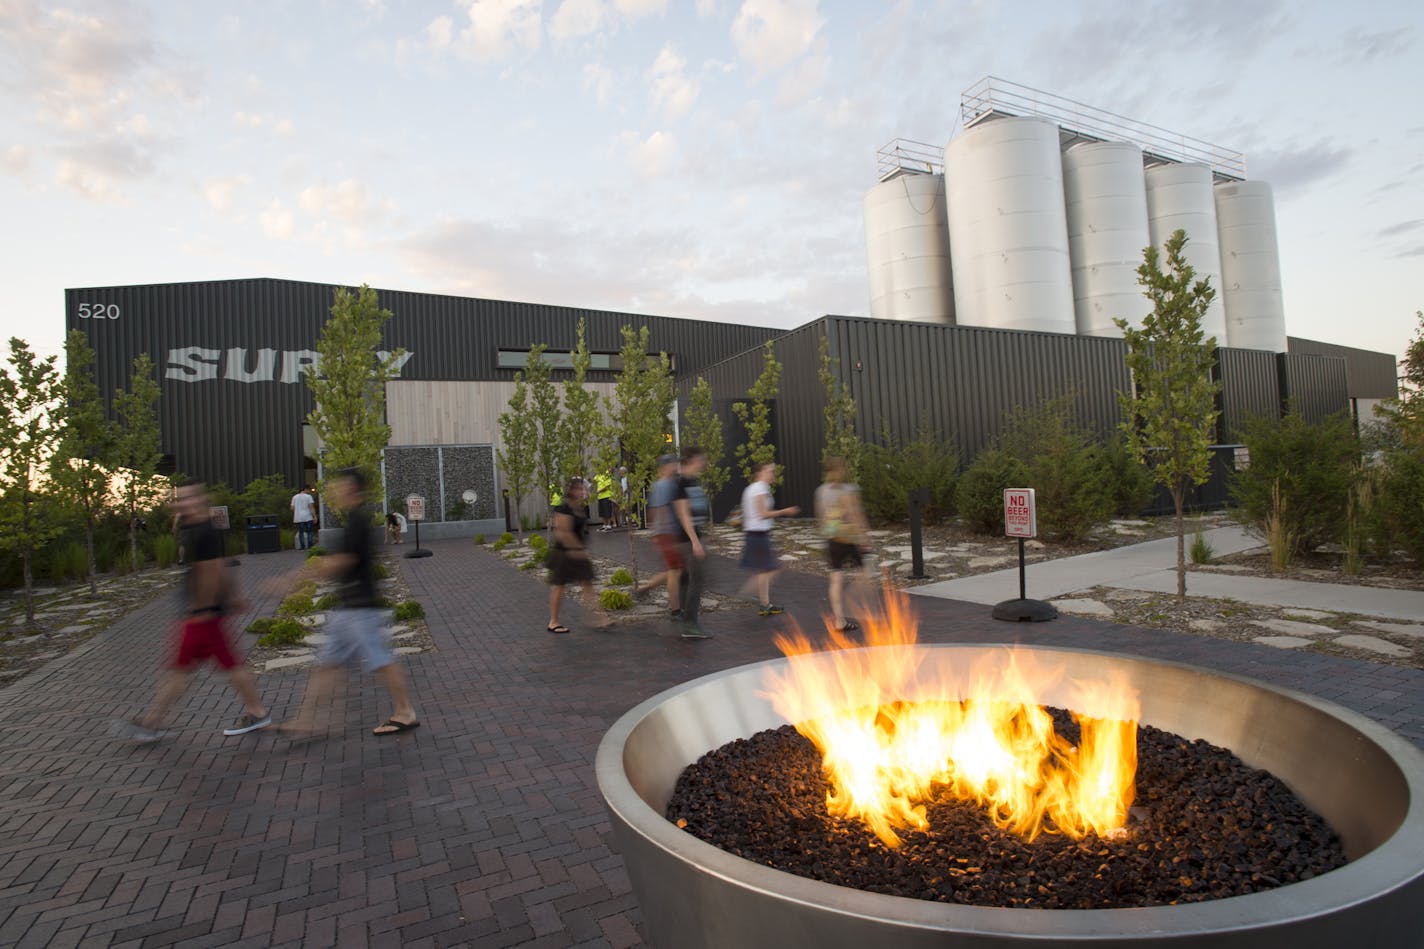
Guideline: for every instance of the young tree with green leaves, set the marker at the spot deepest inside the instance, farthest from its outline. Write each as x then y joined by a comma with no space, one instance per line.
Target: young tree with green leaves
840,437
704,429
137,448
581,416
80,465
518,437
348,384
637,420
755,415
1405,412
1170,414
28,439
548,416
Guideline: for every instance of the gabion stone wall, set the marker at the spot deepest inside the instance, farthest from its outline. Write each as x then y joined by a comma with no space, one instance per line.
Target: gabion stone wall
442,474
469,468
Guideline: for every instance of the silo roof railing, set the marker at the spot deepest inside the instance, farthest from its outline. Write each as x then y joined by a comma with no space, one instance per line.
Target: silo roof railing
903,156
993,97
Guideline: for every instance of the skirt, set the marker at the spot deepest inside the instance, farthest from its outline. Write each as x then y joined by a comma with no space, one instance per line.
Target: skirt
757,555
565,569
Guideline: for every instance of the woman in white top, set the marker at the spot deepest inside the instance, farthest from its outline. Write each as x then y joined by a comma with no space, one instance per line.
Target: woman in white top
757,515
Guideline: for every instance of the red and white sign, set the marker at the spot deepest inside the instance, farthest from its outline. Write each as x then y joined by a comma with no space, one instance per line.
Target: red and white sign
218,516
415,508
1020,513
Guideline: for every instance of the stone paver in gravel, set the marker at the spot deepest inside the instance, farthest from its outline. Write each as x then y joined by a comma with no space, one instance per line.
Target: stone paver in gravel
1082,607
1402,629
1307,615
1373,644
1283,642
484,827
1295,628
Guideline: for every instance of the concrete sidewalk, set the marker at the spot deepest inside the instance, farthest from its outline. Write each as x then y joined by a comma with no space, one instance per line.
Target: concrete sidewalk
1152,567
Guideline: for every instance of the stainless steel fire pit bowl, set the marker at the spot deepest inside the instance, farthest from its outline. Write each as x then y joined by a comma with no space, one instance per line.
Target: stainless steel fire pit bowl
1366,781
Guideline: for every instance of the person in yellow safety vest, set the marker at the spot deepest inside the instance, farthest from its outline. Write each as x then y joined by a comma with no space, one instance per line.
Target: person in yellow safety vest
605,484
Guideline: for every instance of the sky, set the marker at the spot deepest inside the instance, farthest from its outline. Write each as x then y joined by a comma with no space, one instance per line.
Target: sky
693,158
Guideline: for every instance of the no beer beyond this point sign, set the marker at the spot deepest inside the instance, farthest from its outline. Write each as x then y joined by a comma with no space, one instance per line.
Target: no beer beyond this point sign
1020,513
415,508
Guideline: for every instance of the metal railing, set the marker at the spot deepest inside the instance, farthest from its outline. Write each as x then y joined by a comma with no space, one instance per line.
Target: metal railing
903,156
993,96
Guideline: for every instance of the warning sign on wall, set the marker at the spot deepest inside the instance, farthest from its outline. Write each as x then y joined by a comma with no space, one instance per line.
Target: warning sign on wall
1020,514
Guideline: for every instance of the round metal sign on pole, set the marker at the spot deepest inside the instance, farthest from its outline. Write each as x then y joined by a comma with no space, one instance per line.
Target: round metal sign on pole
1021,521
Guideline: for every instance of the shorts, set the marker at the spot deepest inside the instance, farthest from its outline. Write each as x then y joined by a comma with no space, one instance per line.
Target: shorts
564,569
757,554
356,634
201,638
672,555
839,554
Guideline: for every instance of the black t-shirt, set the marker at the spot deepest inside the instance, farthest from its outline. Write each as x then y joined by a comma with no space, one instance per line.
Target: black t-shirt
201,541
580,517
358,583
691,489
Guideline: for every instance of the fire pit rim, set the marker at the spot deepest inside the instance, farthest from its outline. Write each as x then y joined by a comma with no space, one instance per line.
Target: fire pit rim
1364,879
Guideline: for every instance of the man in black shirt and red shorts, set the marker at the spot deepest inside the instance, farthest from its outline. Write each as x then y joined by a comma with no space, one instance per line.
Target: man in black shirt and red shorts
207,597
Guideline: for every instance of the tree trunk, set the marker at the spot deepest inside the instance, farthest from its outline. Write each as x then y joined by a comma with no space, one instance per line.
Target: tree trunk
1178,496
133,539
632,557
89,542
29,588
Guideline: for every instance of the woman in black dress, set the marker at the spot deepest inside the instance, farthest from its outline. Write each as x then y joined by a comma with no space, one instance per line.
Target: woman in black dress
569,560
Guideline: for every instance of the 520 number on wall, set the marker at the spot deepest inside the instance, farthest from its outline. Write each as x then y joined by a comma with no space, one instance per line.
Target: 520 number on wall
98,311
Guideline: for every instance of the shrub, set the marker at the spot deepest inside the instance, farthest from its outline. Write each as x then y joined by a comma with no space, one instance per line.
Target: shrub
1279,536
615,599
1201,550
261,626
297,604
1311,466
529,565
621,578
480,539
285,632
890,470
1129,483
317,551
165,550
289,538
538,541
408,610
1400,490
380,571
506,538
539,556
980,494
1064,465
69,562
328,601
501,543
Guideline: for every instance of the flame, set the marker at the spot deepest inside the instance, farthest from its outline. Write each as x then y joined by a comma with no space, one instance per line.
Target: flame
891,738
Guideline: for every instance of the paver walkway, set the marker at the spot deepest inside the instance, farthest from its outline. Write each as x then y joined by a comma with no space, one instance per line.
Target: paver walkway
1152,566
484,827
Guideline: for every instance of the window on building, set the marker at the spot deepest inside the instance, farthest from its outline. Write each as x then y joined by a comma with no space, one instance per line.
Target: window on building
604,362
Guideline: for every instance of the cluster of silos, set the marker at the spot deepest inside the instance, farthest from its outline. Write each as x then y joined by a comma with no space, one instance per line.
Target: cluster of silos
1035,237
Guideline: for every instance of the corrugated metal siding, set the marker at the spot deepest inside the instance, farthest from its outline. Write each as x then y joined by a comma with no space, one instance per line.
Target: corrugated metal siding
1368,375
1250,387
234,431
1314,386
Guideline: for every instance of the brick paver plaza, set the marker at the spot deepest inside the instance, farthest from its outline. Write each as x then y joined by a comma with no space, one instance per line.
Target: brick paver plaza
484,827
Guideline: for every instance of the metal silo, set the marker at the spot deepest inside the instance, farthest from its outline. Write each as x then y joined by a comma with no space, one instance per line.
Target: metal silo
1106,202
1008,235
1181,197
907,243
1250,266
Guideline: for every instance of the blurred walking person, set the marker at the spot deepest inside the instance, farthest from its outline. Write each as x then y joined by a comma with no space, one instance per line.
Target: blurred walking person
842,522
357,629
209,593
569,560
758,515
690,509
304,518
663,521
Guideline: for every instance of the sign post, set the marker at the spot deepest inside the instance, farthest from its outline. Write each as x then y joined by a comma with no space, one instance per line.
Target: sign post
1021,521
218,517
415,513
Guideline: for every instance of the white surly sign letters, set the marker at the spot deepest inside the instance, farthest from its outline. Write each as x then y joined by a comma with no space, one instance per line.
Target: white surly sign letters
198,364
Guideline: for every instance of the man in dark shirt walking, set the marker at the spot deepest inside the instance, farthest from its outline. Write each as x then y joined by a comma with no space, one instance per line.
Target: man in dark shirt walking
357,629
208,594
690,510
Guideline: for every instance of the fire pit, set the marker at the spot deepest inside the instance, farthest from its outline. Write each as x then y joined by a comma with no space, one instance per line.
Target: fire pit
1364,780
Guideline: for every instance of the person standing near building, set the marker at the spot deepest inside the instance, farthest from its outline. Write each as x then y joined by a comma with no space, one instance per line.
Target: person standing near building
303,517
663,522
569,560
607,510
357,629
208,595
842,521
690,509
758,514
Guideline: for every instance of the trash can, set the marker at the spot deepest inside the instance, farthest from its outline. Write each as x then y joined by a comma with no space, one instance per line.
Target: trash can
264,534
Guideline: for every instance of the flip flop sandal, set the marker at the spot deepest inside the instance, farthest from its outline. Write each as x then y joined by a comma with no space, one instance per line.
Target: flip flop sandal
395,727
557,629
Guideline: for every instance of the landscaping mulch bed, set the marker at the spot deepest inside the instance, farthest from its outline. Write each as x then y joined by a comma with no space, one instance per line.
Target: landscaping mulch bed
1323,566
1205,827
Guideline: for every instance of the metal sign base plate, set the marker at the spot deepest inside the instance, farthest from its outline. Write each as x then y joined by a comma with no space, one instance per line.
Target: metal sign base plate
1025,611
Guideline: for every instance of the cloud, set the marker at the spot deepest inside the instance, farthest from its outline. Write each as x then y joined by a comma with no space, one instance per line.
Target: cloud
672,92
633,10
805,79
494,30
90,181
598,80
576,18
1403,227
15,160
221,193
349,202
653,156
1416,251
771,34
1291,167
1361,46
706,8
278,221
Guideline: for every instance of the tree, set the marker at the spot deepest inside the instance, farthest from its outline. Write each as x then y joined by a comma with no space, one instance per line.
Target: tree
28,519
80,465
1404,414
518,436
704,429
550,445
581,417
755,415
637,419
136,449
840,437
348,384
1170,414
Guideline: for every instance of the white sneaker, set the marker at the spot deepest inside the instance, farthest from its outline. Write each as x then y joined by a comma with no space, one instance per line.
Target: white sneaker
248,723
